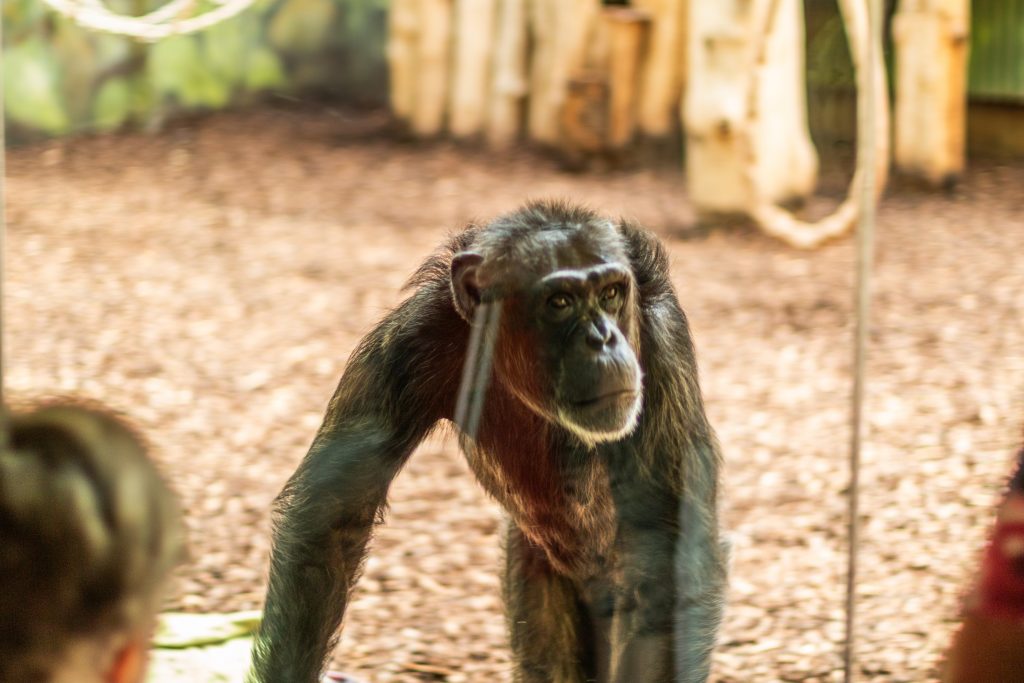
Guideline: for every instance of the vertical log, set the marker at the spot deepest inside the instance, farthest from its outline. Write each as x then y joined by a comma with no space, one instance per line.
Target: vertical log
403,37
720,134
627,30
561,31
931,39
719,62
435,17
661,80
786,160
584,117
508,81
683,51
471,66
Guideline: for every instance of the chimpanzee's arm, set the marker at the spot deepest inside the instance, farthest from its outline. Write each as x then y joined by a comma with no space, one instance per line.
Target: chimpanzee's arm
701,559
392,393
674,574
675,565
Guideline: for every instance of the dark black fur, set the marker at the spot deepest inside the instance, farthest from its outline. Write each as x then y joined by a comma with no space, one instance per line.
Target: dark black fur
614,568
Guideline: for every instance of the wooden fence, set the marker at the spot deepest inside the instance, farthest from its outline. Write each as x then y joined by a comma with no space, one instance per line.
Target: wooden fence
574,74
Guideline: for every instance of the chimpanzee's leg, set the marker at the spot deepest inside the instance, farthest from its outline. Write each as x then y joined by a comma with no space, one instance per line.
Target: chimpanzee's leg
545,617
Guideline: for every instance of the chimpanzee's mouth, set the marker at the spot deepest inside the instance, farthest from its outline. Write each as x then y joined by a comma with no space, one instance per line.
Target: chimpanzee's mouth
605,399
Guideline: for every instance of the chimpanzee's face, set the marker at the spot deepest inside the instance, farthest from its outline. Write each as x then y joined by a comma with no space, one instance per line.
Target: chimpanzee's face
568,346
583,322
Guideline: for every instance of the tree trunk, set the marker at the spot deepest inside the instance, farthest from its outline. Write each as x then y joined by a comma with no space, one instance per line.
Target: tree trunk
435,17
661,81
471,72
561,31
931,39
627,29
508,82
403,38
722,132
787,162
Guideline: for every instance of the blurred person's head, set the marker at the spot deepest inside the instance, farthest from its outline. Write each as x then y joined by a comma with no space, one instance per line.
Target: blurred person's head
88,535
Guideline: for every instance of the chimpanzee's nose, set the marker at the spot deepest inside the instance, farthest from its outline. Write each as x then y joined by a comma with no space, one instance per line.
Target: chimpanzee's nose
599,334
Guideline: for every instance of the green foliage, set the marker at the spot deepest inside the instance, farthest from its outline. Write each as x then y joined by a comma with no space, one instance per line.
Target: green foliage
31,87
76,58
21,19
112,50
829,64
184,630
143,98
59,76
226,662
996,67
113,104
265,71
226,47
176,69
302,26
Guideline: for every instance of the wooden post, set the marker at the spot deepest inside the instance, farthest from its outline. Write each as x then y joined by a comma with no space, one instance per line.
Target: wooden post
661,80
627,30
471,68
403,37
787,162
561,31
584,117
435,17
722,132
508,81
931,39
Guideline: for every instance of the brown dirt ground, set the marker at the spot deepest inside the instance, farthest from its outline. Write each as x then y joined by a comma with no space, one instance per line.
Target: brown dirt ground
211,280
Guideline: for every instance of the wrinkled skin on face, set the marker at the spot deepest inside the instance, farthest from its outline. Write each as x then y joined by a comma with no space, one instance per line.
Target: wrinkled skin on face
568,343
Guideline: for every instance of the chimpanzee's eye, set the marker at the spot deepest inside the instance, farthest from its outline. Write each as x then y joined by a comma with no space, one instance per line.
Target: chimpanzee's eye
560,301
611,293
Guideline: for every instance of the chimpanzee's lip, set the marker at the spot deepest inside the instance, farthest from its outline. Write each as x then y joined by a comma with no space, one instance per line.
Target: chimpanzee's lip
605,398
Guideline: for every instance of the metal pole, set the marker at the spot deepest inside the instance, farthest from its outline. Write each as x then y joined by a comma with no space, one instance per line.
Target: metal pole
3,234
476,373
866,135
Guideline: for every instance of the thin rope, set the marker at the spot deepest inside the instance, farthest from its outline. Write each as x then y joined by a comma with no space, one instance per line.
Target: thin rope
866,133
172,19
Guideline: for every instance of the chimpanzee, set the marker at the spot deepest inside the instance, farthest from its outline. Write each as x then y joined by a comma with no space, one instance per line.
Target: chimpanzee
592,436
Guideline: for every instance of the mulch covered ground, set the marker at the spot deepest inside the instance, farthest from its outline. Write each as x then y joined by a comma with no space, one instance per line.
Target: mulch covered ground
210,282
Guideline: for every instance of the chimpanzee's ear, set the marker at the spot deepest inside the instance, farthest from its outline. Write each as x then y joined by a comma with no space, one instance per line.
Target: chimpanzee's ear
465,288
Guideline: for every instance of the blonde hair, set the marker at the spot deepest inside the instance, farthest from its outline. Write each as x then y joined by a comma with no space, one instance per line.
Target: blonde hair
88,533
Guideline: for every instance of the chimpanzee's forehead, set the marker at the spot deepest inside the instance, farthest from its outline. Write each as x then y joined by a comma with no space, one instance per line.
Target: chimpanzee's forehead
533,253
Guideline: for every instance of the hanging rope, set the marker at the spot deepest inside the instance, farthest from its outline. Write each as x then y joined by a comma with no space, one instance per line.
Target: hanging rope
178,17
870,80
868,134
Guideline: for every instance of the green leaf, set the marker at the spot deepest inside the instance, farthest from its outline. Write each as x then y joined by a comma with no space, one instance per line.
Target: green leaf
20,17
76,59
31,87
176,68
223,663
113,104
143,100
265,71
302,25
226,46
181,630
111,50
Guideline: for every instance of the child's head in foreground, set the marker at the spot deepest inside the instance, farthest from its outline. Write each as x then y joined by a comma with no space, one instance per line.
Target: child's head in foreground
88,535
